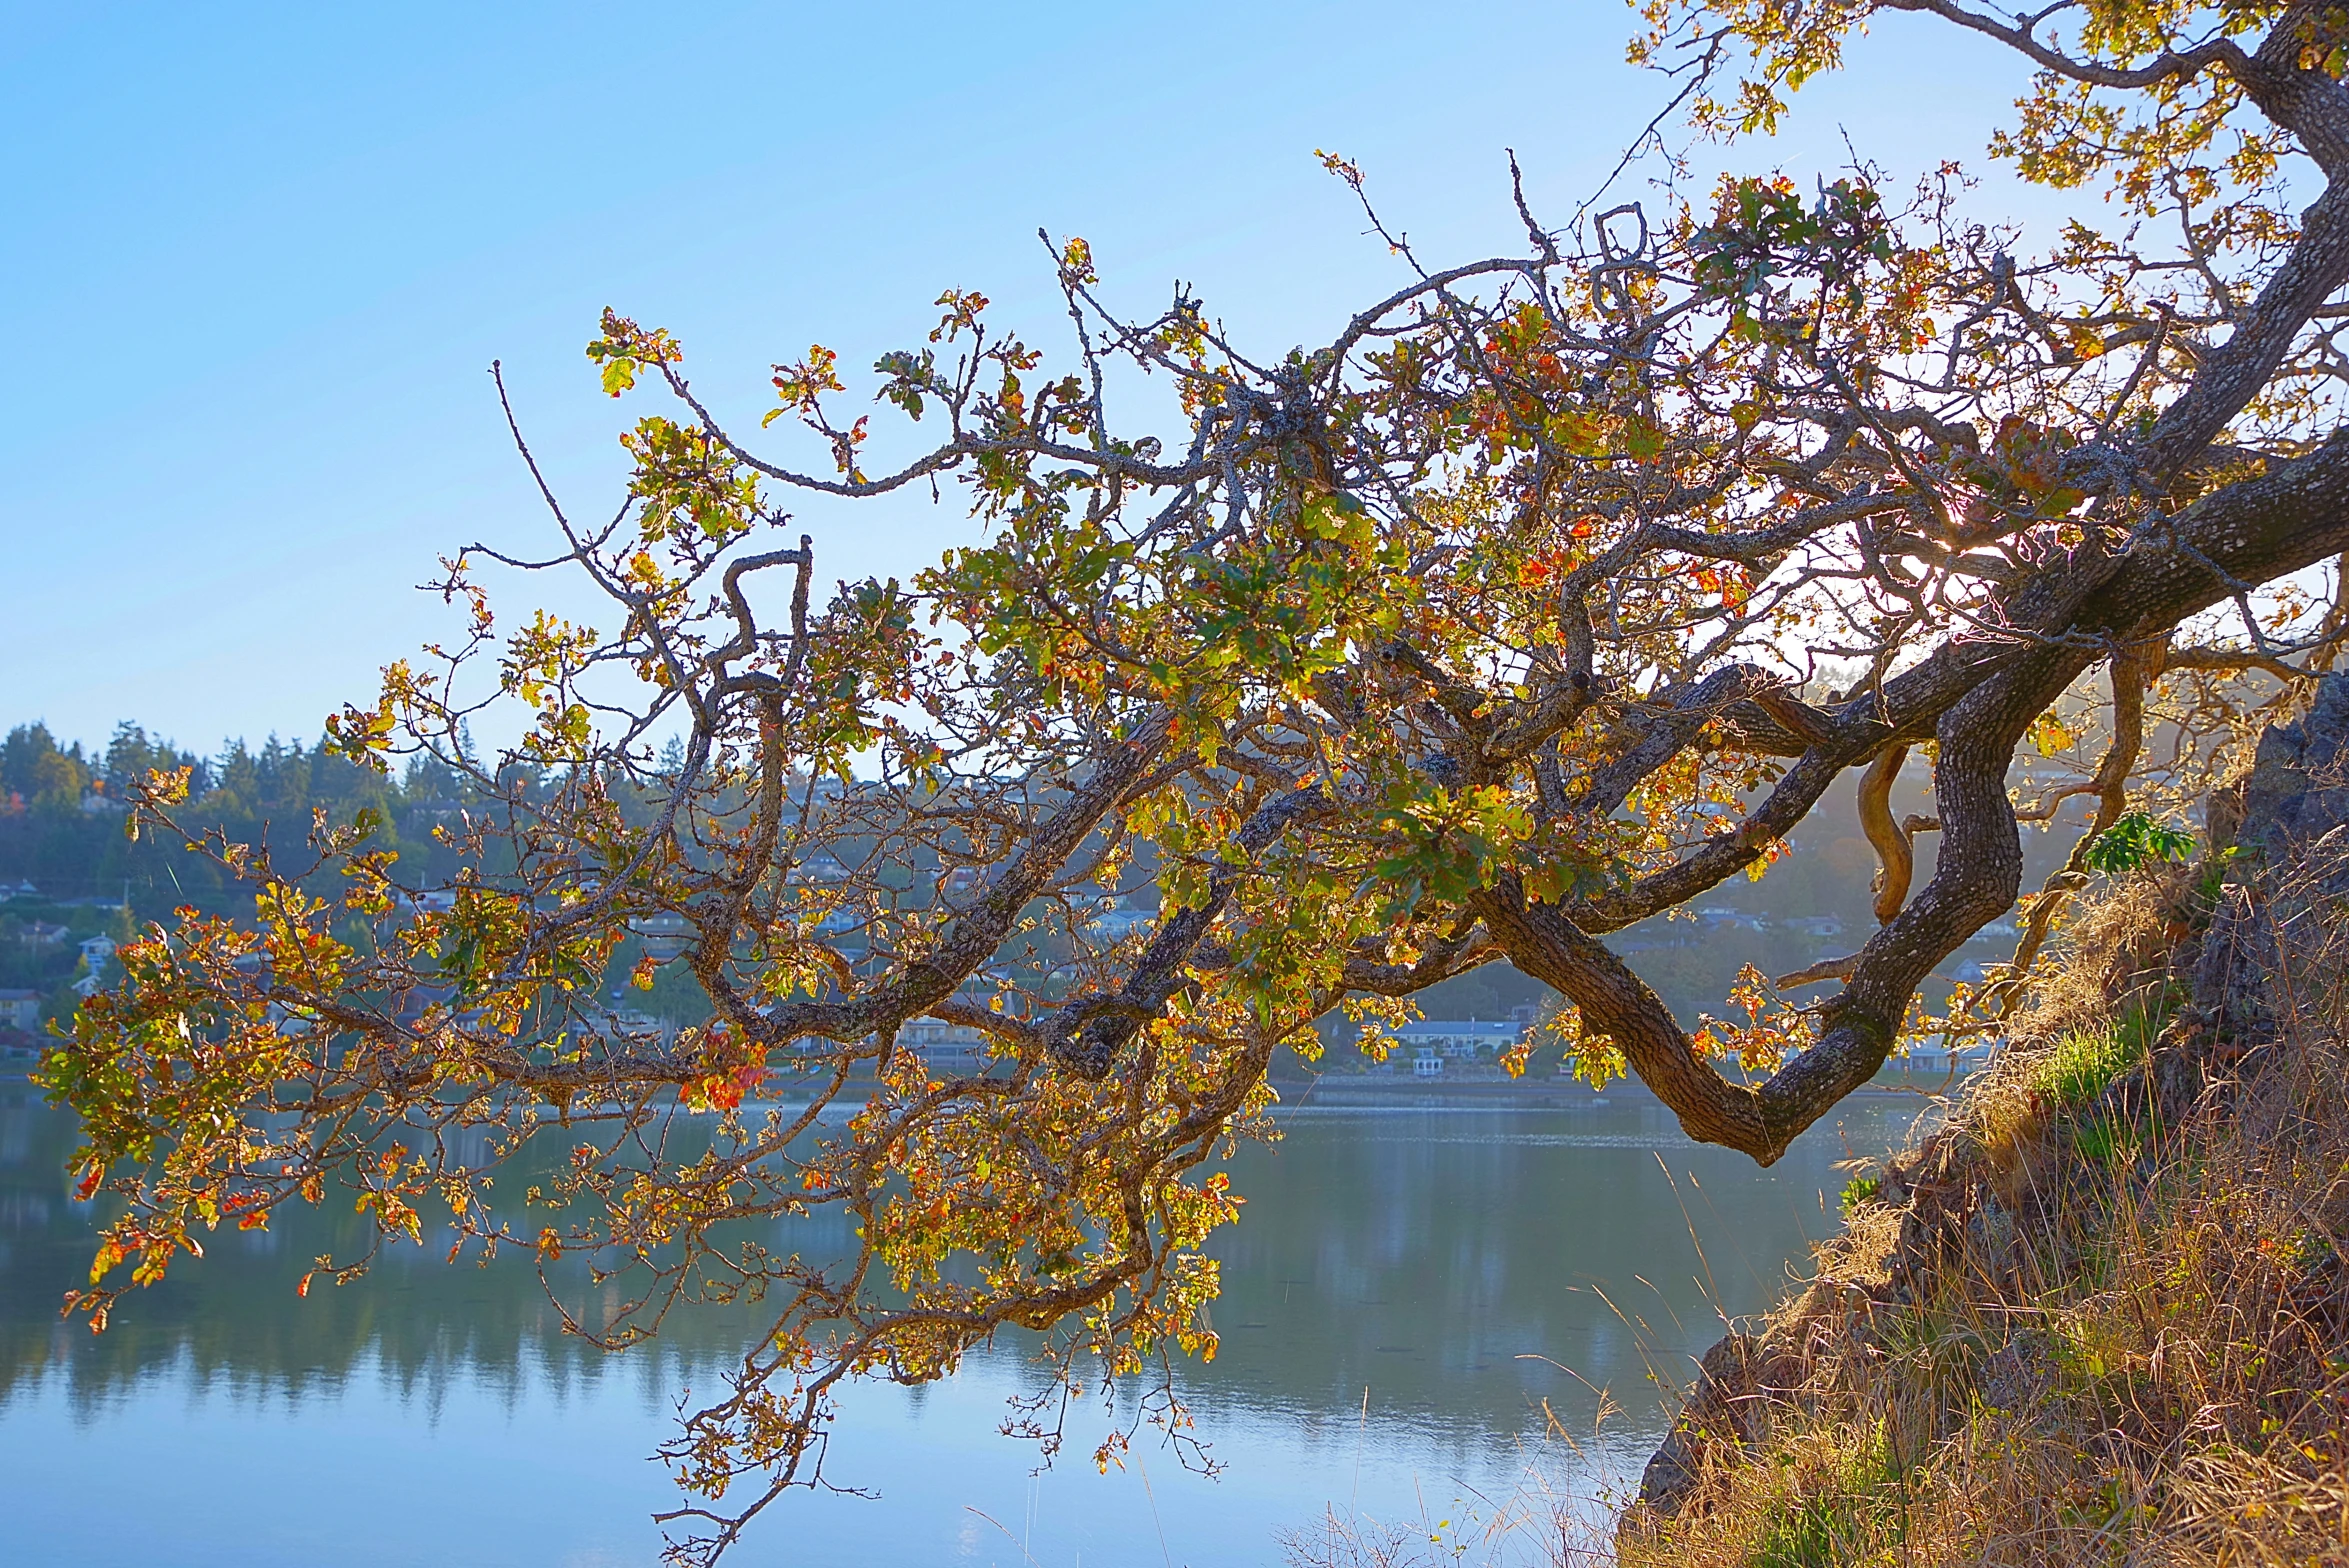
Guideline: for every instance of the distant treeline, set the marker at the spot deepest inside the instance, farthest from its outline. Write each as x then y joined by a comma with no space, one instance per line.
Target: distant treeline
68,871
62,809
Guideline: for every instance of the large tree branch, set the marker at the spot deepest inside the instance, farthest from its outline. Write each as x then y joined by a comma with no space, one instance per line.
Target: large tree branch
2256,530
1896,857
1667,726
1859,1025
2163,67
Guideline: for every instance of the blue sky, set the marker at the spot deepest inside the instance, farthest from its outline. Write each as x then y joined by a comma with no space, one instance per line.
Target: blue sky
258,259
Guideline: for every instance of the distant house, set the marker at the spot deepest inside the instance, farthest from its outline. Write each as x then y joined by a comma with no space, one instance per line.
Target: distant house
1454,1039
1814,925
928,1033
20,1009
9,890
1942,1058
97,955
40,933
1427,1062
943,1044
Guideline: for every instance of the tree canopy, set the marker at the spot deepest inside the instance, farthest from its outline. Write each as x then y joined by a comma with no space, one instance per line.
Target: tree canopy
1555,590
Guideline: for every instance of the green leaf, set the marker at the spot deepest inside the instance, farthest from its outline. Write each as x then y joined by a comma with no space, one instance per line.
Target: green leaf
2137,840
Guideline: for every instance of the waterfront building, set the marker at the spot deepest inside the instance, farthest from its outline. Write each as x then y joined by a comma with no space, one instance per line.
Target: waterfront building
1460,1039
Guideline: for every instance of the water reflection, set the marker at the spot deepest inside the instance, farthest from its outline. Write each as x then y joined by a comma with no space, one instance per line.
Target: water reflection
1406,1292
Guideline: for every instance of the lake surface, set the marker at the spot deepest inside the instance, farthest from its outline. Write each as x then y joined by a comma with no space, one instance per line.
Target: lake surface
1416,1305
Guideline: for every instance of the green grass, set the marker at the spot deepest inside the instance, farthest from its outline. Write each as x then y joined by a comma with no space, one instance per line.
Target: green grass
2083,1065
2100,1140
1842,1525
1812,1533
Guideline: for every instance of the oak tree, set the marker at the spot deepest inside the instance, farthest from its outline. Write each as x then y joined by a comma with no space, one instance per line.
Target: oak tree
1553,591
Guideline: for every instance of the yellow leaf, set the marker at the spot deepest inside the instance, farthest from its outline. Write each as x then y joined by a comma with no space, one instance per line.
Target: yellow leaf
2050,735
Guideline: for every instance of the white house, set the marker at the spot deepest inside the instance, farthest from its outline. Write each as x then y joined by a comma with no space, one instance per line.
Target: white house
1942,1058
20,1009
97,956
929,1034
954,1047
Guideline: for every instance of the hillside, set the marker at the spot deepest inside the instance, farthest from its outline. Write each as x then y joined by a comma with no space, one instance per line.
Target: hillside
2102,1316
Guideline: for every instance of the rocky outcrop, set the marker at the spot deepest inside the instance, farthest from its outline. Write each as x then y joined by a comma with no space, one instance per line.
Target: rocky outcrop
1726,1407
2287,821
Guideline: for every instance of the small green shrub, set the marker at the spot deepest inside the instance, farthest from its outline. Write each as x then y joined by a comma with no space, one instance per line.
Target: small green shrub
2137,840
1861,1189
2082,1064
1839,1524
2100,1140
1810,1533
2213,875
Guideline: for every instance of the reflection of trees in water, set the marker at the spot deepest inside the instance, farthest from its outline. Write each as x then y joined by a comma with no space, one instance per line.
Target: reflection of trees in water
1423,1255
234,1319
1418,1254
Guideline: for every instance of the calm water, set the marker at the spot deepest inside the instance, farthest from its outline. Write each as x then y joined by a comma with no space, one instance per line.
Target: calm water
1405,1292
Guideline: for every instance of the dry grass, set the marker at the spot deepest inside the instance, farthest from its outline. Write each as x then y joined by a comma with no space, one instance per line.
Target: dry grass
2099,1319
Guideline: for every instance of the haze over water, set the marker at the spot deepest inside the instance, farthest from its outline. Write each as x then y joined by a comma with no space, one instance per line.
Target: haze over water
1453,1264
